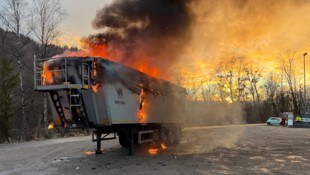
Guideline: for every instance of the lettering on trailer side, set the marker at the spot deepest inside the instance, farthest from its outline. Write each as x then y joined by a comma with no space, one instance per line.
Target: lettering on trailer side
120,95
119,102
119,92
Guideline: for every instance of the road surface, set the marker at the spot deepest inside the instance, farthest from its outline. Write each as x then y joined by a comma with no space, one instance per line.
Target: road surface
240,149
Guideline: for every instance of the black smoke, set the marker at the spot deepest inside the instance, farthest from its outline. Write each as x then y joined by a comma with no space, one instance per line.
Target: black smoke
155,30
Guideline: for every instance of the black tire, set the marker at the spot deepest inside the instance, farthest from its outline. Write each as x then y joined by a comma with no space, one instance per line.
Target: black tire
123,140
268,123
164,136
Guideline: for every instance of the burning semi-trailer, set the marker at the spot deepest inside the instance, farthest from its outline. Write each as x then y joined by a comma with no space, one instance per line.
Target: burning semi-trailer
114,100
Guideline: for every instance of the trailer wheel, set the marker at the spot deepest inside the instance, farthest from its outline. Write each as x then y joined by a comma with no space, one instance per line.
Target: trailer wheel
123,140
164,136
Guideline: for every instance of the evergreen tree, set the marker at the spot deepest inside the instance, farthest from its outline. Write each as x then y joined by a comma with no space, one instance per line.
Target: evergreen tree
8,82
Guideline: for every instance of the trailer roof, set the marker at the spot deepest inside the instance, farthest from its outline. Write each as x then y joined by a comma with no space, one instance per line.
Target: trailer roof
135,80
131,78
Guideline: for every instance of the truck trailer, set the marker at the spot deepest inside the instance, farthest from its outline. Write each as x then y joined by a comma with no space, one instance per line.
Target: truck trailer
112,100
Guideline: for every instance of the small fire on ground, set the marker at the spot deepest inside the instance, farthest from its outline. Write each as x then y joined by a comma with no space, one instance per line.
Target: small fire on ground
87,153
50,126
155,151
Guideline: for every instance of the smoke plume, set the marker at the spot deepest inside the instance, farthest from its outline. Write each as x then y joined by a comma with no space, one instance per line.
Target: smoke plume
144,33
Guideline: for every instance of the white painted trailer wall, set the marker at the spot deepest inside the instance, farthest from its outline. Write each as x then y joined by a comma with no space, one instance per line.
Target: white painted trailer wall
115,104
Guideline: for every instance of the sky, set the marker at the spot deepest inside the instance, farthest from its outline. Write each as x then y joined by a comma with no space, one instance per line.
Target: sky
80,14
257,29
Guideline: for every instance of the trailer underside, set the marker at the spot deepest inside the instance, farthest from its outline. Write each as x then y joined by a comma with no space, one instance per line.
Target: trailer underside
133,134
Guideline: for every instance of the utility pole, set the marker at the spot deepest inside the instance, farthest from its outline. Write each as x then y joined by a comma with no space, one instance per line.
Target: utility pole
305,89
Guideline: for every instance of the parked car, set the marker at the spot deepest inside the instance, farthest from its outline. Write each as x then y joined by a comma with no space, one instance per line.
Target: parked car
305,119
273,121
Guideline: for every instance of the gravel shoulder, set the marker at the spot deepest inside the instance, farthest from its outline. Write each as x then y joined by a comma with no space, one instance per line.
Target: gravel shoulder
239,149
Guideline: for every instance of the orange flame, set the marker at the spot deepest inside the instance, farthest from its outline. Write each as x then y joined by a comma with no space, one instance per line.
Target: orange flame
87,153
47,75
94,50
163,146
142,112
101,50
95,88
50,126
153,151
145,67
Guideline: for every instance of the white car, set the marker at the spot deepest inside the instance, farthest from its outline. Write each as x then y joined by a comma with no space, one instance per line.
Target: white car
305,119
274,121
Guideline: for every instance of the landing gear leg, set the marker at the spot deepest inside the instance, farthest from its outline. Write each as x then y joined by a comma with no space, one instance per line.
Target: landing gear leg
98,139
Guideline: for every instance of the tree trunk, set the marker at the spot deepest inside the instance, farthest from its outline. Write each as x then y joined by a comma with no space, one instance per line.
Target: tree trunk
274,108
45,113
296,110
24,131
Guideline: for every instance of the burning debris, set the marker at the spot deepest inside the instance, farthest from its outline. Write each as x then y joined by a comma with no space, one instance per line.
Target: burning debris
163,146
88,153
50,126
155,151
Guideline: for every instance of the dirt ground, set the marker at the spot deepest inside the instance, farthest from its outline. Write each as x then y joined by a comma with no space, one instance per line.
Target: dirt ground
240,149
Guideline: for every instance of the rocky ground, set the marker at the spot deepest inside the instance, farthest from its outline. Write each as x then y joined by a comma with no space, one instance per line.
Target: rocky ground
239,149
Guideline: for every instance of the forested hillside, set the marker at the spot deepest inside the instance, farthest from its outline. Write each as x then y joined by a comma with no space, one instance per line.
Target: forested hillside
10,96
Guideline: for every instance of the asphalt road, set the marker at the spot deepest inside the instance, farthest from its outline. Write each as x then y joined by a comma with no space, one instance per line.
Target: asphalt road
239,149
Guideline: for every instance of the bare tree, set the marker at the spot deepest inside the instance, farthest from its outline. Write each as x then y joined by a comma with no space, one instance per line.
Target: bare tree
272,89
231,78
180,78
14,17
46,18
193,91
253,75
288,67
208,90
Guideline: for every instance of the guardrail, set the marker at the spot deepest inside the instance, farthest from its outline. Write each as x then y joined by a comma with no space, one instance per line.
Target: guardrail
42,68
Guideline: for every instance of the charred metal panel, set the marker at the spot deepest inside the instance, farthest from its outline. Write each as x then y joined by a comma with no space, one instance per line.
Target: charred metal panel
90,106
55,115
74,69
63,96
